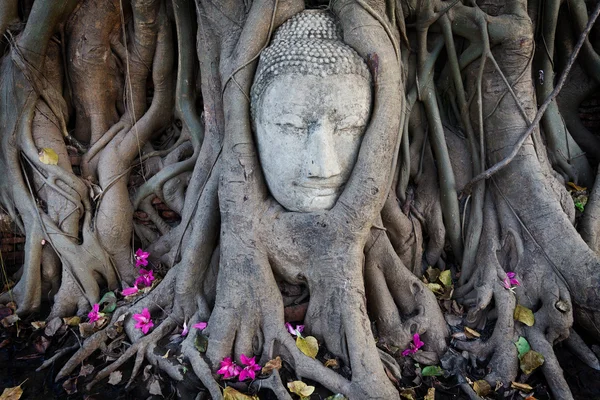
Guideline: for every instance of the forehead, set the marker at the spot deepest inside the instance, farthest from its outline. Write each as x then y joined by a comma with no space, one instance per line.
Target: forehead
309,94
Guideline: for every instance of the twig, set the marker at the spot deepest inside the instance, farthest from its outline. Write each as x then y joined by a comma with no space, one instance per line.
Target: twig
540,113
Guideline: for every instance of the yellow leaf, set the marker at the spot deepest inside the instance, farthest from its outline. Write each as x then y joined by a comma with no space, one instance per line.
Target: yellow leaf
230,393
430,394
300,388
308,345
521,386
48,156
271,365
577,188
446,278
13,393
408,394
471,333
524,315
530,361
331,363
72,321
482,388
38,325
435,287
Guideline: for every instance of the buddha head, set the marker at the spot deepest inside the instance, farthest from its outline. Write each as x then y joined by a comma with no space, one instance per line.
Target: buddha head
311,102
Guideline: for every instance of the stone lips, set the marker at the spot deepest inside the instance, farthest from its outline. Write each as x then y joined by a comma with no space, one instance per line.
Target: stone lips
309,43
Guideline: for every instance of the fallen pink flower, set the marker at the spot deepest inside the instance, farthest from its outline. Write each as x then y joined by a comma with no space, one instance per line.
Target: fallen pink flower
141,258
95,314
185,330
294,331
229,369
250,368
130,291
414,346
144,321
200,326
510,281
146,277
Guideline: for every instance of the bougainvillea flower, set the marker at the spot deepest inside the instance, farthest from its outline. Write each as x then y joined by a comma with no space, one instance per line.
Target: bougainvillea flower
95,314
186,329
130,291
414,346
146,277
144,321
510,281
250,368
200,326
229,369
141,258
294,331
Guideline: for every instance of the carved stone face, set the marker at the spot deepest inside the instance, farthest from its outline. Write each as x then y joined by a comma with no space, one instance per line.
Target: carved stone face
309,130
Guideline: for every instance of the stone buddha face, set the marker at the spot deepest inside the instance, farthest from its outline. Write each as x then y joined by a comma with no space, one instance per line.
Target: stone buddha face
310,111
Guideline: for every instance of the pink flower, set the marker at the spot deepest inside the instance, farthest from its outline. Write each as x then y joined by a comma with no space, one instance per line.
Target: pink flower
141,258
200,326
510,281
297,331
95,314
414,346
146,277
250,368
130,291
144,321
229,369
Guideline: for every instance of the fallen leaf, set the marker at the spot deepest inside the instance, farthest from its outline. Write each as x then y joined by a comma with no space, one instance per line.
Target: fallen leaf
435,287
86,329
446,278
271,365
337,396
110,302
86,369
577,188
115,377
4,343
166,354
48,156
13,393
41,344
482,388
408,394
308,345
38,325
230,393
530,361
430,394
432,370
10,320
432,274
522,346
201,342
471,333
70,385
300,388
332,363
530,398
524,315
154,387
521,386
72,321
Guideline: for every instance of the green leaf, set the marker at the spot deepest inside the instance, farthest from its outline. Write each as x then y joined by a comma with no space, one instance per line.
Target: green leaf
524,315
435,288
522,346
530,361
337,396
446,278
308,345
111,302
432,370
201,342
48,156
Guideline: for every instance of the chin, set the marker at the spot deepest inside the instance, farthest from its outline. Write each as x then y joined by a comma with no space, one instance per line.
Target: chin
316,204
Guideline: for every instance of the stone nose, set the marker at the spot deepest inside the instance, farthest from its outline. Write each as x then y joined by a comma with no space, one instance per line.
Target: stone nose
322,160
